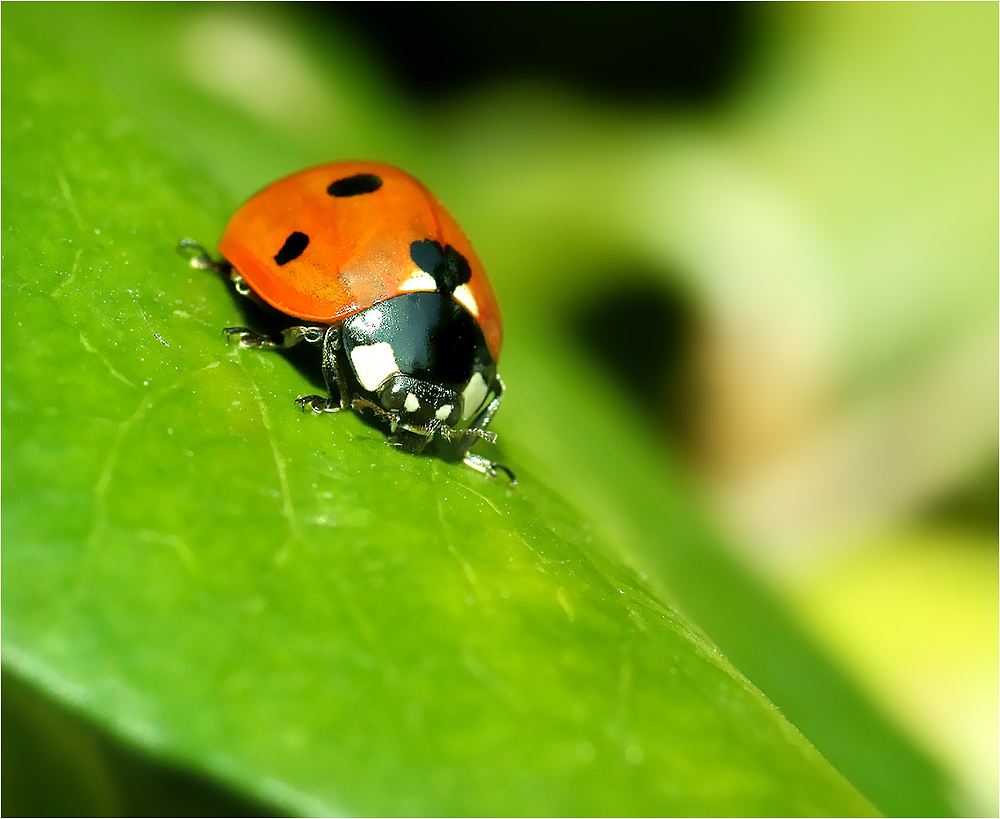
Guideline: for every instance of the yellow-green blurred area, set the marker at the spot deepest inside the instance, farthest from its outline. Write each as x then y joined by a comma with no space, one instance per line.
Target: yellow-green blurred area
773,230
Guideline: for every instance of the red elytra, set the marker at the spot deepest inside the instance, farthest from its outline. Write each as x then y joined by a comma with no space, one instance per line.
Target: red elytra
358,250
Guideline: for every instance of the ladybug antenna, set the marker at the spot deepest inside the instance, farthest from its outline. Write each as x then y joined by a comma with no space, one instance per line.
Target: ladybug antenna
390,418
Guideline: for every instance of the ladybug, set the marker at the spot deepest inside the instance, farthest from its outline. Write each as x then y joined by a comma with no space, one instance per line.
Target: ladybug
381,278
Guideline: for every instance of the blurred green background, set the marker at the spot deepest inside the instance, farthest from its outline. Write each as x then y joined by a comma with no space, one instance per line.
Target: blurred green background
747,259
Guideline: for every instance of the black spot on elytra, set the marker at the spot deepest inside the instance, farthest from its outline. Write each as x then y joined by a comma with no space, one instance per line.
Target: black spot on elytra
355,185
449,268
292,248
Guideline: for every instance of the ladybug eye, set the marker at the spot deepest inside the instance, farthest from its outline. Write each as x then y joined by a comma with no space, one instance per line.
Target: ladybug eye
292,248
355,185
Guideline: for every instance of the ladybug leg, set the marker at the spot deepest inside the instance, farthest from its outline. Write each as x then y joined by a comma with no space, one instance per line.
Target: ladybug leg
199,258
477,430
489,468
241,286
289,337
335,381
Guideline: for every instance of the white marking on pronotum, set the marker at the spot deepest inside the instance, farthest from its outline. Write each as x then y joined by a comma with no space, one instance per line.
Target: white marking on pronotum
371,319
473,395
412,403
443,412
464,295
374,364
419,280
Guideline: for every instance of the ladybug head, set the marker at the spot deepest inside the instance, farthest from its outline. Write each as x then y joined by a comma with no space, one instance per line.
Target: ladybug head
420,406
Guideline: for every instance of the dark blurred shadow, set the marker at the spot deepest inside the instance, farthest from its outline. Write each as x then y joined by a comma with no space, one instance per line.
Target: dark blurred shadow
58,764
973,505
675,53
642,334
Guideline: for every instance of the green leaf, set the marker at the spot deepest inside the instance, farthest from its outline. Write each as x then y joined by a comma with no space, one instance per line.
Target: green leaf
283,602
